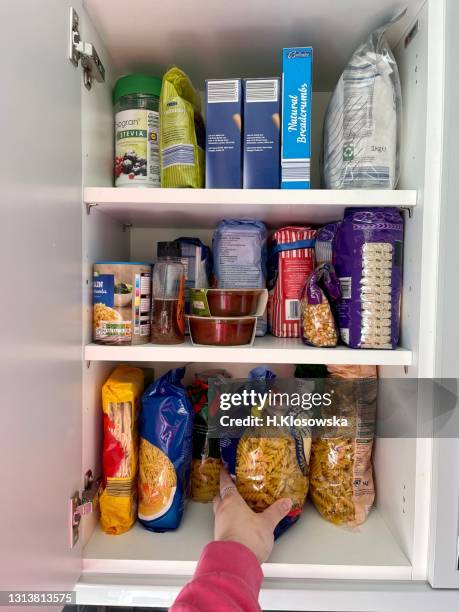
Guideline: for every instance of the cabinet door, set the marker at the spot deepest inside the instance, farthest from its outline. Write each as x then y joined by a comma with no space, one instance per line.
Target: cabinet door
444,551
41,355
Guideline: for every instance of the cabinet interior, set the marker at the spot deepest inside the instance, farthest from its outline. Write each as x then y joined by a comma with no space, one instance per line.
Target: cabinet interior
245,39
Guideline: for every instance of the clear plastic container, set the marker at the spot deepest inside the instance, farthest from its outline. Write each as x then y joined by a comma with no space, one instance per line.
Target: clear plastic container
168,303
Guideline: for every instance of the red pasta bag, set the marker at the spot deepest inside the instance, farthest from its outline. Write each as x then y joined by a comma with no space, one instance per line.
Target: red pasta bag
291,261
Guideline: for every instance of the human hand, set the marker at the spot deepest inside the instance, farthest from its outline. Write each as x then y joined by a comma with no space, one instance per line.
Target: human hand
235,521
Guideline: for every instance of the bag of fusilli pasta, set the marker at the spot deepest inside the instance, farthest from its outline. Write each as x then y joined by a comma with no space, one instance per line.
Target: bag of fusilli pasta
341,472
121,406
269,463
206,462
166,423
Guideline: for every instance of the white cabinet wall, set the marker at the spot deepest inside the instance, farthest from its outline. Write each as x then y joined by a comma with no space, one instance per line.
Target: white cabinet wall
63,214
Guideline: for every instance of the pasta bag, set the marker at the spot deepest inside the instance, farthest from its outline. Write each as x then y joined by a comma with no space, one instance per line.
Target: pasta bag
166,424
206,462
318,326
121,406
341,475
269,463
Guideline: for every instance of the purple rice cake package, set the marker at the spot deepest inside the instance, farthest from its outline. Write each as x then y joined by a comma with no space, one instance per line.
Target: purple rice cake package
368,253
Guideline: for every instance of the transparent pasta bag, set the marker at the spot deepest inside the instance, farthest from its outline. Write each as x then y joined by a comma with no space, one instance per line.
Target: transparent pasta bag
318,325
341,471
361,138
269,462
206,462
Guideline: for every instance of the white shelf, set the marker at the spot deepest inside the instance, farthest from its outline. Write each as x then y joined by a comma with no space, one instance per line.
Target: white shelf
265,350
203,208
312,548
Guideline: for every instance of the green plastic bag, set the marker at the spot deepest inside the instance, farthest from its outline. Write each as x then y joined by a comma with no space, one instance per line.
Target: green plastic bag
181,128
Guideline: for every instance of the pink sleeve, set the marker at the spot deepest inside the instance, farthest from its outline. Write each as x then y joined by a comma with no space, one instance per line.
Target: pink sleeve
228,578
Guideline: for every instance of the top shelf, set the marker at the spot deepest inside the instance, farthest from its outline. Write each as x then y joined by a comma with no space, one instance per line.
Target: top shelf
203,208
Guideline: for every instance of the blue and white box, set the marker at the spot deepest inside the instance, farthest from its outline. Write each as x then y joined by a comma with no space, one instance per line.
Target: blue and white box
296,118
224,133
261,167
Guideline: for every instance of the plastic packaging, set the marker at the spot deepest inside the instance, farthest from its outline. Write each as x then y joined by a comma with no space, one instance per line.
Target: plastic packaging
168,302
323,247
166,423
341,471
240,257
318,326
269,463
361,147
291,261
222,331
368,251
182,138
136,99
121,405
206,462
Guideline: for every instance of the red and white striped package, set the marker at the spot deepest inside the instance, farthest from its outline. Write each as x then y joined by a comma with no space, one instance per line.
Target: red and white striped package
291,261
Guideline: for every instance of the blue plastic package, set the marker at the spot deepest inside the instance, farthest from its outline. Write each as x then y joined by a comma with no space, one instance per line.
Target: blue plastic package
240,257
166,425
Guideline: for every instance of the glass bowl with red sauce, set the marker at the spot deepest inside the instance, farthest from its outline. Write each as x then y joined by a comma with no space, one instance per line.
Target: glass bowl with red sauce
222,331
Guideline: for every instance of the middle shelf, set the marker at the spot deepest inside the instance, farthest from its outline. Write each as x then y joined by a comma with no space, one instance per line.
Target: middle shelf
267,349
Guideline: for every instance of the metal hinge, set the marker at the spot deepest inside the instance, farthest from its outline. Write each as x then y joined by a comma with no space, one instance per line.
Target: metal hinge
80,50
79,506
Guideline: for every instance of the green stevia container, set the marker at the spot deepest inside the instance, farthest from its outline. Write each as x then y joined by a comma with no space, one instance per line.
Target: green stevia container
136,100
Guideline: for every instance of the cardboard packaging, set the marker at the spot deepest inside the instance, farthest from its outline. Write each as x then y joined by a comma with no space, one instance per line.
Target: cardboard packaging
261,155
224,134
296,118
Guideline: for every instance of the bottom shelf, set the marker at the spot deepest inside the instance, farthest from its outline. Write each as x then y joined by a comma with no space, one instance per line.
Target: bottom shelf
312,548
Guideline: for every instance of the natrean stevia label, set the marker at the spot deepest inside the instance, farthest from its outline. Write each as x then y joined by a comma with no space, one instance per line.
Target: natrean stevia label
136,148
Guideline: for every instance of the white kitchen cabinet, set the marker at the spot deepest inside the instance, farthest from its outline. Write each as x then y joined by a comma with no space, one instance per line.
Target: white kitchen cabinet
62,214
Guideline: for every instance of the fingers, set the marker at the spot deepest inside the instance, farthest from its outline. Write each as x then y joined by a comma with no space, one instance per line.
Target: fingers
227,486
216,503
277,511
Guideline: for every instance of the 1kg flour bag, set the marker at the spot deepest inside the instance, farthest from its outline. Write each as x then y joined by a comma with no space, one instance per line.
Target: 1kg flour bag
362,123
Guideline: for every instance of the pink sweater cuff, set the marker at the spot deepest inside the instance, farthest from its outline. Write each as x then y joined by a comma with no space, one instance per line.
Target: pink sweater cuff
233,558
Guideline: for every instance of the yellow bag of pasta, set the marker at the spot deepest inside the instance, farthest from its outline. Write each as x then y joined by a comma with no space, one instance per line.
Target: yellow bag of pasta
341,471
181,132
121,395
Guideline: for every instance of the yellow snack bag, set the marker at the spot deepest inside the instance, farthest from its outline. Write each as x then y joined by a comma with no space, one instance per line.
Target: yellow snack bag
181,132
121,395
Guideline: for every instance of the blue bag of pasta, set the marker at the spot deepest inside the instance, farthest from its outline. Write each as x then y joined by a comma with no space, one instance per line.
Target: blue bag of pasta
269,462
166,425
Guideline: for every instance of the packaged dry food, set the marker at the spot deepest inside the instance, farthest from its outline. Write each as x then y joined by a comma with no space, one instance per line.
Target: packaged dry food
240,255
368,250
318,326
166,423
269,463
323,247
341,471
291,261
121,406
121,295
206,462
362,123
181,129
136,100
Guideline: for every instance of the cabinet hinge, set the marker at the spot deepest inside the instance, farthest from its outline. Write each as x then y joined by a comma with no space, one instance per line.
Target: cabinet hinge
84,51
80,505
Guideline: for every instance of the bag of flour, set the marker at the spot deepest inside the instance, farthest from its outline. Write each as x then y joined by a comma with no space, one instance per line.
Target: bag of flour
362,123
